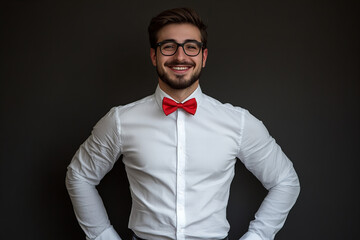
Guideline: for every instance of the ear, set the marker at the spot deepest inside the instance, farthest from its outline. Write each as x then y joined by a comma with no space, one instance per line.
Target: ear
204,57
153,56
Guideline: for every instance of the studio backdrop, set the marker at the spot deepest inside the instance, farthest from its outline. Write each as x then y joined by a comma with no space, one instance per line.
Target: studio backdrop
292,64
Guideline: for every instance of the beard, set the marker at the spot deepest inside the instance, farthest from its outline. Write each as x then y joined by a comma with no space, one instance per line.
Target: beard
178,81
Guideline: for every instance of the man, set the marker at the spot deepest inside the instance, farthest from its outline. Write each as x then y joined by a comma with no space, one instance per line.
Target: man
179,148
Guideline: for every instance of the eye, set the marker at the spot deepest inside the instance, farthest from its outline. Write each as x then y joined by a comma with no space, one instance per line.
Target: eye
191,47
168,46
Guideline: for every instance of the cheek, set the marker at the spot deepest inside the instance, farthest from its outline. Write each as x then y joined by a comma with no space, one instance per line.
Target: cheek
200,62
164,61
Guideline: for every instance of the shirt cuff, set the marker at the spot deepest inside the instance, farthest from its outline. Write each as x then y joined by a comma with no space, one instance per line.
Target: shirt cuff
250,236
107,234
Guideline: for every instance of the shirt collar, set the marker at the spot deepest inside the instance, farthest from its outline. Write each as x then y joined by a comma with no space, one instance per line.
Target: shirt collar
160,94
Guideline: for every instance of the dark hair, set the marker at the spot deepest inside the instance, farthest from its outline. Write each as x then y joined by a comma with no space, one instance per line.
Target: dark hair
176,15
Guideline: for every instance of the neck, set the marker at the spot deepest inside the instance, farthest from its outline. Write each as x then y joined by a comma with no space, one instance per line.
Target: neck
178,94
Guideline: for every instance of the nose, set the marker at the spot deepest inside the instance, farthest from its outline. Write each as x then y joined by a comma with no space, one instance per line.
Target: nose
180,53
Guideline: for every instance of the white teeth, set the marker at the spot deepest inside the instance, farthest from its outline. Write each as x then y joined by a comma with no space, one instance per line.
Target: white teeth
180,68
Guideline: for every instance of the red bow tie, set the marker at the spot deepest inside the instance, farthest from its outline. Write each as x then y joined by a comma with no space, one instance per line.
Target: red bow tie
170,106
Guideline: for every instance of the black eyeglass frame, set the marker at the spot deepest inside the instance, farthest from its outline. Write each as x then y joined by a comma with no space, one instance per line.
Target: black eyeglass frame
200,44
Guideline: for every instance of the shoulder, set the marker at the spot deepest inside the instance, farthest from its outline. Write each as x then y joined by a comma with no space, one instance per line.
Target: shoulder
142,103
231,114
223,108
109,126
113,116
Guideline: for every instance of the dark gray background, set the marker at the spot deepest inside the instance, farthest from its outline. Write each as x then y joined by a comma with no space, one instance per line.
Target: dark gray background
293,64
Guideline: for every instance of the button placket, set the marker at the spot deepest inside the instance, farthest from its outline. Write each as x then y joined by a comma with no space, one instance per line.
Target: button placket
180,188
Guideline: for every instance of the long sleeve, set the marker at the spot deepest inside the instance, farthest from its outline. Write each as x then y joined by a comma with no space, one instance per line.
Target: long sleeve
95,157
264,158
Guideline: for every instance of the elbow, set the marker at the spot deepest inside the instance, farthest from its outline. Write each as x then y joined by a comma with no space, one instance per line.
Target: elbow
71,179
67,179
297,186
290,184
295,189
293,182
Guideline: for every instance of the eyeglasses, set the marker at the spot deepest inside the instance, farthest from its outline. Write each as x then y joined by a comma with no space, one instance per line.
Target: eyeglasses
191,48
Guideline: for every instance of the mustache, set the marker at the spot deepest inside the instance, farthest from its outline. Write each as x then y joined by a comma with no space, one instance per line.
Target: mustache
176,62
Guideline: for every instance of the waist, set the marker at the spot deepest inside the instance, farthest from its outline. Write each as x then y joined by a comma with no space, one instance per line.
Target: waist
138,238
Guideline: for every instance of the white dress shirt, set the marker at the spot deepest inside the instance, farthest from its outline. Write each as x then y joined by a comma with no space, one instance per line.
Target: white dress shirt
180,168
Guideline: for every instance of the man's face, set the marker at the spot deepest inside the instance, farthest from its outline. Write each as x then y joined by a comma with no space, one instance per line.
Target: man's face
178,71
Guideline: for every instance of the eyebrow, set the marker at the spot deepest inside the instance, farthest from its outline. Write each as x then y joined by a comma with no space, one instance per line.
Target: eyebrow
173,40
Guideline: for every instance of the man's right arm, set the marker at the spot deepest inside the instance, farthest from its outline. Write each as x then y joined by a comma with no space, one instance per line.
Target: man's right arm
95,157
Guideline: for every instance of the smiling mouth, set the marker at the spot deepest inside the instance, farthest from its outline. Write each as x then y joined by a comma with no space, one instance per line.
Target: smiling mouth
180,69
177,68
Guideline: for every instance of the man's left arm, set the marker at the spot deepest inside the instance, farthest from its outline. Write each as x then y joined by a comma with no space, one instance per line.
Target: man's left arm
264,158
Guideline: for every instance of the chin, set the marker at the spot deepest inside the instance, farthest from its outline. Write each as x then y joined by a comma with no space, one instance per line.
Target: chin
179,84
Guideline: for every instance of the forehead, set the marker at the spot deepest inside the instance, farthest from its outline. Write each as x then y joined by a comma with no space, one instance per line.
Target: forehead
179,32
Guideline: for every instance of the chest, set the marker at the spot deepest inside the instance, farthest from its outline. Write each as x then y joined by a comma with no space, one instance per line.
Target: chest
205,147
